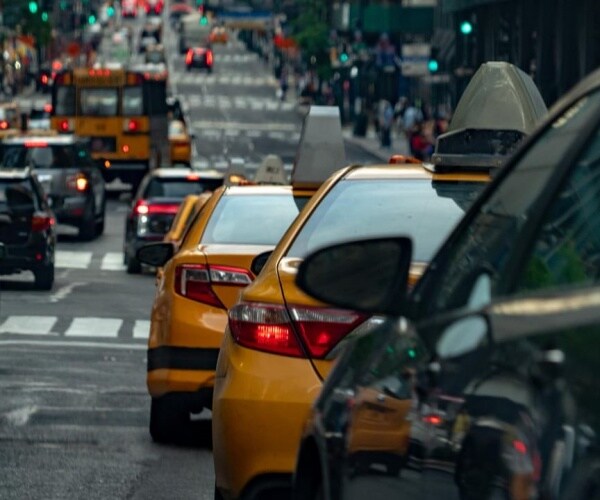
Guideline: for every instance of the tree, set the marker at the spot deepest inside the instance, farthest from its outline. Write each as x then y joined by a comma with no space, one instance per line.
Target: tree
311,33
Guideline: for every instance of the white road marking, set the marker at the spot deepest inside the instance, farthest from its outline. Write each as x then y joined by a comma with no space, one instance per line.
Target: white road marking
20,416
141,329
72,260
29,325
64,343
94,327
224,125
113,261
64,291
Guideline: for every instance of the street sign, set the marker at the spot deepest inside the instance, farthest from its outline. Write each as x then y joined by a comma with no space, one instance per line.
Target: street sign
415,59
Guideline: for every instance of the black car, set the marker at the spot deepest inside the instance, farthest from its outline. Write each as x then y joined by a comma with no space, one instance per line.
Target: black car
199,57
68,174
535,229
156,203
27,227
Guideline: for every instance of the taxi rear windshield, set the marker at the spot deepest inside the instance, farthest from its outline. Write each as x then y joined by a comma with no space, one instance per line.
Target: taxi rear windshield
179,188
252,220
424,210
46,156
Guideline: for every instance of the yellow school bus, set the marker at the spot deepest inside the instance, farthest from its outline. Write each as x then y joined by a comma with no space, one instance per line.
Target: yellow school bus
124,114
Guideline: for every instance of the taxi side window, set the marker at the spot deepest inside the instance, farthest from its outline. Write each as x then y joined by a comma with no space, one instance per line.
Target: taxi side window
487,244
568,245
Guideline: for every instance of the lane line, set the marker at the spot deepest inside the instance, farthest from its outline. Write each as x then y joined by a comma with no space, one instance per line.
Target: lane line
74,343
113,261
141,329
72,260
29,325
94,327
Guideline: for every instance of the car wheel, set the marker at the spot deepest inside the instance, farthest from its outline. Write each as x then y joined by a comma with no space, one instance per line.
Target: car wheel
133,265
217,495
44,277
169,420
87,226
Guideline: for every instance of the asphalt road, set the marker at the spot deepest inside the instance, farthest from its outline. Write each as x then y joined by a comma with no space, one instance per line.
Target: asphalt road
73,405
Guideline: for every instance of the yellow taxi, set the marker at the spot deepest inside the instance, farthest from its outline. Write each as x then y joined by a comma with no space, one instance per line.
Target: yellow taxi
189,208
279,344
218,256
180,143
218,35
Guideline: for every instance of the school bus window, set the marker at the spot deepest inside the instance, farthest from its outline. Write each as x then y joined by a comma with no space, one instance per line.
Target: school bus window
65,101
133,103
99,102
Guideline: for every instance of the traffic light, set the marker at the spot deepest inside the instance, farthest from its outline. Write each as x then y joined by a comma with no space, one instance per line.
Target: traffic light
433,65
45,17
343,57
63,5
91,19
110,11
466,28
204,20
33,7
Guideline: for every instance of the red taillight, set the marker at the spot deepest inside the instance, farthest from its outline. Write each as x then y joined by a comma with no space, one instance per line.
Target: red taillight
142,207
47,106
63,126
269,328
36,144
209,57
194,281
131,126
41,223
45,79
189,56
433,419
4,125
78,182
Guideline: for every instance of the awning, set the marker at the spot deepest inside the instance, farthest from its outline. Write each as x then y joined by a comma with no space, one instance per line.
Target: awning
458,5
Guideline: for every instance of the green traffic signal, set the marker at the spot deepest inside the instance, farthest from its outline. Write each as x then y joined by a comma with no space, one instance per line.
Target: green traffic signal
91,19
433,65
204,20
110,11
45,17
344,57
33,7
466,28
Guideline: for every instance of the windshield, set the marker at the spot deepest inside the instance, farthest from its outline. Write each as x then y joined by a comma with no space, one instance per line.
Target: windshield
252,219
64,104
424,210
99,102
46,156
179,188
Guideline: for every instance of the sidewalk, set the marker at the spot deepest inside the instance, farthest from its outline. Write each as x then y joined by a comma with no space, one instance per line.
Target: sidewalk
371,144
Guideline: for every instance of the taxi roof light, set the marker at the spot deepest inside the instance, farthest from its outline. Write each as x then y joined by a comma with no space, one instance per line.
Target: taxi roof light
321,137
500,106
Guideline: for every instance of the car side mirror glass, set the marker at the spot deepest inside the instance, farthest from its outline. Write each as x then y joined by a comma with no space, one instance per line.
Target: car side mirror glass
155,254
462,337
259,262
367,275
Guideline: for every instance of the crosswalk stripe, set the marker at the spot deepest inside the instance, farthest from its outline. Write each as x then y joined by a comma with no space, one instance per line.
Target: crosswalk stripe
28,325
72,260
94,327
113,261
141,329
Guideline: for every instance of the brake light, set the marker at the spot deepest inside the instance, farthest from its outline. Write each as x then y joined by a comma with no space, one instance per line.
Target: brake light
48,106
64,126
194,281
142,207
189,56
209,57
41,223
78,182
36,144
3,125
268,327
432,419
131,126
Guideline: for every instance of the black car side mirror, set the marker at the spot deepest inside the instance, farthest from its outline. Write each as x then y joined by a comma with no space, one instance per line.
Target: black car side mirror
366,275
155,254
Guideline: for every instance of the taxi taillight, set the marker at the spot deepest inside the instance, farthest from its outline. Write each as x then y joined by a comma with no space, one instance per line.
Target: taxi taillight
194,281
41,222
189,56
272,328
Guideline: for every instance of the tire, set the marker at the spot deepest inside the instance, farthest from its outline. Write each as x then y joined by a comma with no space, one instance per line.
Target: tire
87,226
169,420
44,277
217,495
133,265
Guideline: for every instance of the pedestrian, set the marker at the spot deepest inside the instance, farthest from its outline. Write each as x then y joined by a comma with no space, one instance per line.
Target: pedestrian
420,146
283,84
386,120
